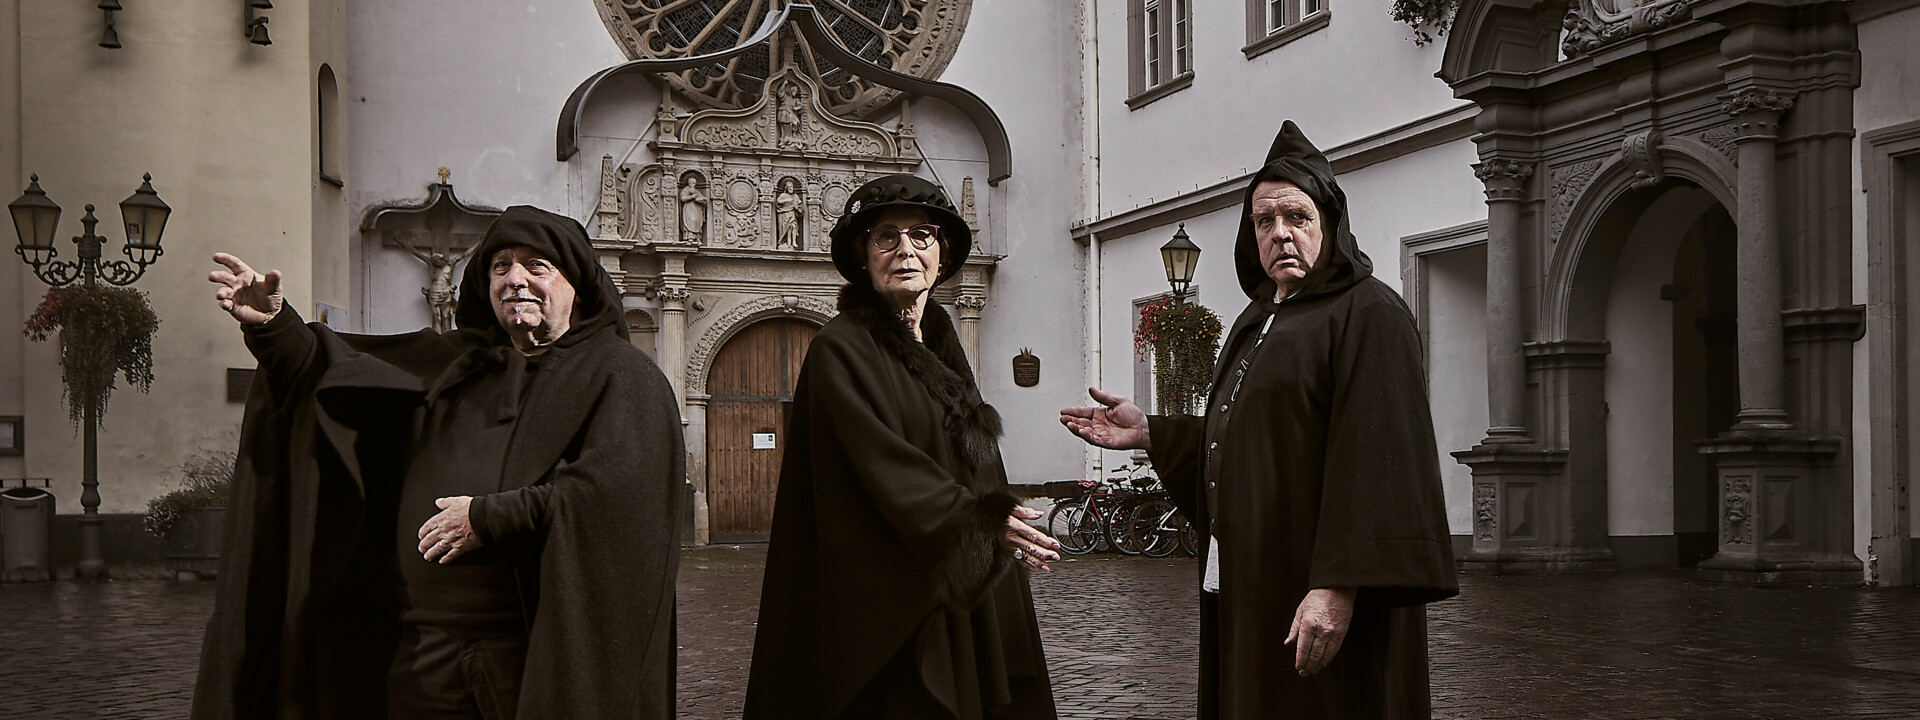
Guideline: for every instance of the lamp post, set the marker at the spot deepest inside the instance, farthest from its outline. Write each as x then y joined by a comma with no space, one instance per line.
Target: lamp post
1180,256
35,220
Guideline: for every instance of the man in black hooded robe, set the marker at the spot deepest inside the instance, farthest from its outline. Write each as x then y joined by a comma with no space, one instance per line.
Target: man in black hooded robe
1313,471
480,523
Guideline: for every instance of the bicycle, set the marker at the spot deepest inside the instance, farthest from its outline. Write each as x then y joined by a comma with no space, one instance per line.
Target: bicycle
1094,517
1158,528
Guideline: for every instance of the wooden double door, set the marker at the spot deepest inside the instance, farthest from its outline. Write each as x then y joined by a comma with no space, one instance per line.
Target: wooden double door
750,390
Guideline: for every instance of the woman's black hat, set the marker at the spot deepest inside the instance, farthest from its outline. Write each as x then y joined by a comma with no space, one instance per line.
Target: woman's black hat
850,233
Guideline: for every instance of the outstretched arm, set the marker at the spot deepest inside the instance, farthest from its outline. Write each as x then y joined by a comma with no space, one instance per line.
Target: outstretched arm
1116,424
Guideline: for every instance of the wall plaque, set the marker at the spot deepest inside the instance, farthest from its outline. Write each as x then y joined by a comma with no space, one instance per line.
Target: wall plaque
1026,368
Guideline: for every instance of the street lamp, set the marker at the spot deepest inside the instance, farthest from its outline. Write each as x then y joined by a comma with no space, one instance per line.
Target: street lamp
1180,256
35,218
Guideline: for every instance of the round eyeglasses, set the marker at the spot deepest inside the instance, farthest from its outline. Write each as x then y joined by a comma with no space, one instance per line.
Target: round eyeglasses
887,237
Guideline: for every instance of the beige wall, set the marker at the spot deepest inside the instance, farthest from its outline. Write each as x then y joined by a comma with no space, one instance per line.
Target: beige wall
225,129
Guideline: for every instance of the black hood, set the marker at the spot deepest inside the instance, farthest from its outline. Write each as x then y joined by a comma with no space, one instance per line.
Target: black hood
1294,159
596,301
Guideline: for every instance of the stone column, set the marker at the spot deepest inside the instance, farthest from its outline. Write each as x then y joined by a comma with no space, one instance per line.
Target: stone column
695,421
1506,182
1762,364
673,295
970,303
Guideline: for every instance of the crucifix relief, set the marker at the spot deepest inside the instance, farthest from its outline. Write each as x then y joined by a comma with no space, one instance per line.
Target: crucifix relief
442,233
442,250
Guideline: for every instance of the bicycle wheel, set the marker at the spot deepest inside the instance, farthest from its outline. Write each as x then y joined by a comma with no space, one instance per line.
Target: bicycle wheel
1189,537
1069,524
1119,517
1155,528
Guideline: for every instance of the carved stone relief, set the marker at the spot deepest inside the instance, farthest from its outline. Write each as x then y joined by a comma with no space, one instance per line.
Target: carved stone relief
1486,523
1590,24
1737,526
1642,153
1722,138
1564,185
914,37
701,358
693,209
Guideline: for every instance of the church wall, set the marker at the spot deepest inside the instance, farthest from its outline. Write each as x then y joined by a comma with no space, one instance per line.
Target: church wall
19,291
1227,118
1889,77
1456,301
473,88
223,126
1021,58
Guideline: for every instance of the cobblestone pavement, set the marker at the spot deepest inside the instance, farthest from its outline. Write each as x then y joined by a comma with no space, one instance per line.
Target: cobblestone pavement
1120,643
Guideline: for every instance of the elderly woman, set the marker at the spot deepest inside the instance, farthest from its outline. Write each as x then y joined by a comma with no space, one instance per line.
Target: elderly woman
896,582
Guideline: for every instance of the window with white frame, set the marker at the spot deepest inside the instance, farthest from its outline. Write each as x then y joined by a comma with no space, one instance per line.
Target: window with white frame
1159,48
1143,361
1272,23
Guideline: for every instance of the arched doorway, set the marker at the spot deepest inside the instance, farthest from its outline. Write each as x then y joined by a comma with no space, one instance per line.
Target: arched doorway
1671,375
750,389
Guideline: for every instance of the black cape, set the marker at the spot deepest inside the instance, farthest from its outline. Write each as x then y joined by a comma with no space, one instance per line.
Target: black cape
886,532
305,616
1321,472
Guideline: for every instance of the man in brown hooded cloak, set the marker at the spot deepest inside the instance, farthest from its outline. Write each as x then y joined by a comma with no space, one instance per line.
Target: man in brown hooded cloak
481,523
1313,470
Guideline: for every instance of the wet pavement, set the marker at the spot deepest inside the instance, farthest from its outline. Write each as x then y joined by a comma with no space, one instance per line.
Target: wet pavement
1120,644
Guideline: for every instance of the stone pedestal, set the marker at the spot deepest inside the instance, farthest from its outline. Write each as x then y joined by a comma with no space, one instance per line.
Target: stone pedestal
1784,517
1529,517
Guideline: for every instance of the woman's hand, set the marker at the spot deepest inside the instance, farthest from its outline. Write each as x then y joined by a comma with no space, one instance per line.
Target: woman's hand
1030,547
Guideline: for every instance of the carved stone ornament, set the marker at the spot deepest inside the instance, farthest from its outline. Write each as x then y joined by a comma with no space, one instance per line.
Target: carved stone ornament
1486,522
1505,179
1642,153
967,210
1590,24
1738,526
671,294
1564,185
1722,138
1026,368
1755,99
700,360
913,37
773,176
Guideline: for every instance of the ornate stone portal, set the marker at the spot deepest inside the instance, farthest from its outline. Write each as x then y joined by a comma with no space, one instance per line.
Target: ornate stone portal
727,226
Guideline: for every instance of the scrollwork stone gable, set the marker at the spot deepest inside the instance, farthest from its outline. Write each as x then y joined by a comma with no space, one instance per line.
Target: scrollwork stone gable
1592,24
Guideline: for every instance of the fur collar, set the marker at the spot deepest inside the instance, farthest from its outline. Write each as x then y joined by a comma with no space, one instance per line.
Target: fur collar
939,363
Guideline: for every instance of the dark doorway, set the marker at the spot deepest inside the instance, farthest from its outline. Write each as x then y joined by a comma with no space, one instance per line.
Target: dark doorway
1706,394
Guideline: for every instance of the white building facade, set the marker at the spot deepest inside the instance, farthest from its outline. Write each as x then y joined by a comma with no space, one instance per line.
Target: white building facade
1573,385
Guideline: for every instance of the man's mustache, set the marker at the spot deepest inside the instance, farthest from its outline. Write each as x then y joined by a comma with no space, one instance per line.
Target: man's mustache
517,297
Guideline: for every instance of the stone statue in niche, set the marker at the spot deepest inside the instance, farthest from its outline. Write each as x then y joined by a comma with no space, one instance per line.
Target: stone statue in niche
786,216
787,118
442,293
693,210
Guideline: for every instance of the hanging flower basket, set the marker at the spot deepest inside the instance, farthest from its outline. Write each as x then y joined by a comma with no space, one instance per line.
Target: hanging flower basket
1182,340
1428,18
104,331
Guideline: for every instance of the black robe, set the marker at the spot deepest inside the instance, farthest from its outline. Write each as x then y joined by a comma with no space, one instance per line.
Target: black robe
305,618
1320,472
886,533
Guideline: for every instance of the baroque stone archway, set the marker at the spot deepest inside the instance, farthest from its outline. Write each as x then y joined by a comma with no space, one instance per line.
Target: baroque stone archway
1748,101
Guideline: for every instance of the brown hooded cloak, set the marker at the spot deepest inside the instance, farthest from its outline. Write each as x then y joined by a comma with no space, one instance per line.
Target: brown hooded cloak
1320,471
887,590
590,464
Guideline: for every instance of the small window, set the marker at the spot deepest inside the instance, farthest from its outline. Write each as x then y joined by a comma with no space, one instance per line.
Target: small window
1160,49
1272,23
13,435
328,137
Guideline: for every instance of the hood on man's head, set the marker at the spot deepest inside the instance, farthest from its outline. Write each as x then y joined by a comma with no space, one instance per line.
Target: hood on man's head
558,238
1293,158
